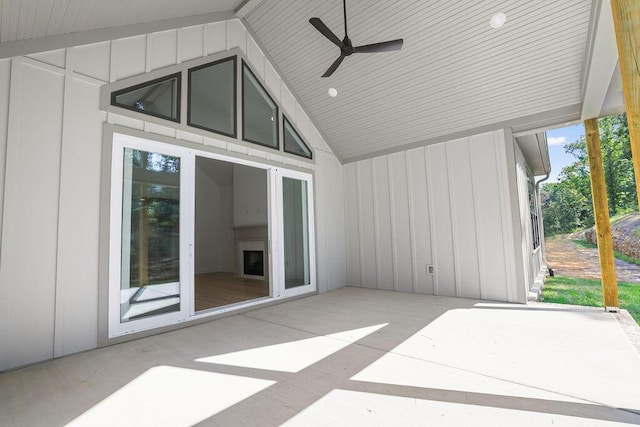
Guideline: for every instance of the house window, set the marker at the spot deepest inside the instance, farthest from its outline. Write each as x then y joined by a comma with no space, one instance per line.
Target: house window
259,112
159,98
293,143
533,209
212,97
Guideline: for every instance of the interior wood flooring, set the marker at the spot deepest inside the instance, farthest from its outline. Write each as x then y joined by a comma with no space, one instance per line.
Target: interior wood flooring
218,289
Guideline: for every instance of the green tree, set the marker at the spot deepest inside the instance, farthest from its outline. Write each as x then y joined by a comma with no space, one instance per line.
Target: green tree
567,204
564,208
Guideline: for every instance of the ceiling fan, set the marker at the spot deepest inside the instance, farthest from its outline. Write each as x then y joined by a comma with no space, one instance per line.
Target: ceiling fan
346,47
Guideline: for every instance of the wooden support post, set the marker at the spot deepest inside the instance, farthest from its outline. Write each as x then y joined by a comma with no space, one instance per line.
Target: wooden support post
601,210
626,19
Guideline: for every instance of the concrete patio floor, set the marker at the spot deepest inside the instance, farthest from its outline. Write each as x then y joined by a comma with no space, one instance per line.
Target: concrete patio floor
349,357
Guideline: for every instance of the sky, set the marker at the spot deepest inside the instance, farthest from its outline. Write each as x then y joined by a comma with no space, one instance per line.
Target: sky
557,138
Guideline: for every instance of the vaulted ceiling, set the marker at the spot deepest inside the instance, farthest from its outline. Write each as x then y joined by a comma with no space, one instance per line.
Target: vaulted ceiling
454,76
31,19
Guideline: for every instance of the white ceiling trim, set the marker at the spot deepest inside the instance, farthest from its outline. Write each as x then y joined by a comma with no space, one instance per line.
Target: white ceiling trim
30,46
603,62
245,8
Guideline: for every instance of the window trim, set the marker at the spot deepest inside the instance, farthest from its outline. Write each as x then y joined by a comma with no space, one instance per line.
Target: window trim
234,59
245,65
177,76
285,120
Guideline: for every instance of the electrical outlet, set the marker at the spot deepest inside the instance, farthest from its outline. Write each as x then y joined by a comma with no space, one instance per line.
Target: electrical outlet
429,269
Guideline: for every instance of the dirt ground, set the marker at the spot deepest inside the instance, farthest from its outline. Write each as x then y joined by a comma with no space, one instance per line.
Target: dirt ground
568,259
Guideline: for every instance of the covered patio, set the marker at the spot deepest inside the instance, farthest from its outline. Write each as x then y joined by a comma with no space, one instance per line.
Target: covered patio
352,356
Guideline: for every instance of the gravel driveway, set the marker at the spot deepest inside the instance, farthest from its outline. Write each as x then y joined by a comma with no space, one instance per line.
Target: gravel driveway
568,259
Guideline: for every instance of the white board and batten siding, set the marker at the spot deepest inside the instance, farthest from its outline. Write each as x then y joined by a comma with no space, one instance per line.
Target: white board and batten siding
447,206
51,131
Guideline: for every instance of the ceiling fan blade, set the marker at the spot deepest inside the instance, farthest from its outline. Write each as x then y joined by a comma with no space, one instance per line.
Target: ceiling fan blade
325,31
380,47
334,66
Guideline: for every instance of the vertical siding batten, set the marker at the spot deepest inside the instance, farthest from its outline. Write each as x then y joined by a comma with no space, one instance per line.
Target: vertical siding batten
420,220
129,57
191,41
352,225
335,253
445,267
31,239
383,223
321,229
5,88
503,191
463,218
367,240
392,238
77,287
401,232
412,225
474,141
490,233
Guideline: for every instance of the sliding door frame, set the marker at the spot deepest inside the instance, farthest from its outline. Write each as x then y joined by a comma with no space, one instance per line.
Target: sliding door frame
120,142
275,246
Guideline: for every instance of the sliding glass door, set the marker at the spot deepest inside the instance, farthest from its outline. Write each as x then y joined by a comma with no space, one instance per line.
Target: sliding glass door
195,233
149,230
296,203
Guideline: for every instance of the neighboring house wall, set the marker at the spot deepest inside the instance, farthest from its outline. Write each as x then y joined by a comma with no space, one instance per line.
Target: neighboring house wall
453,206
51,129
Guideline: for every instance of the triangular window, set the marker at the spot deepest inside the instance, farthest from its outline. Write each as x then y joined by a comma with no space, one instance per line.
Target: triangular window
212,97
159,98
293,143
259,112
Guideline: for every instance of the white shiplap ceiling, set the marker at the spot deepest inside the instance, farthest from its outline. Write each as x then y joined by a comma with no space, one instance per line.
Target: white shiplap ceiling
32,19
454,74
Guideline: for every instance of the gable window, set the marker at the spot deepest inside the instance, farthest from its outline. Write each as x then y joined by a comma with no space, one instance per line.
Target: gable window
293,143
159,98
212,97
259,112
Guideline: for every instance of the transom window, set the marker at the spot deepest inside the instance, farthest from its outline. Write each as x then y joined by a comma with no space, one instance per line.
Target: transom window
160,98
293,143
259,112
212,97
213,103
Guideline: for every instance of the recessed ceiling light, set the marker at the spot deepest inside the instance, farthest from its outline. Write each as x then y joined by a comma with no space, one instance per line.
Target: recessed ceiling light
498,20
332,92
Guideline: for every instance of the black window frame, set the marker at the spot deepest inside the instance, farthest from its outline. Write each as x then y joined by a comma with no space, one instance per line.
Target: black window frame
177,76
277,146
234,59
285,120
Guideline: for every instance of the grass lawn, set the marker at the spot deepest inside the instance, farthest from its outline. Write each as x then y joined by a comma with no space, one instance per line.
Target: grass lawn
569,290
